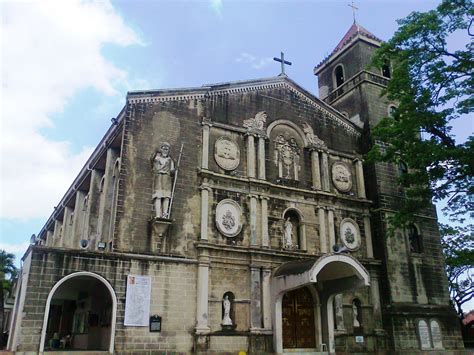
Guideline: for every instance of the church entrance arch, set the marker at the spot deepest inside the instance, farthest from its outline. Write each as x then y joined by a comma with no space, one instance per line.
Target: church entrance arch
323,278
298,319
80,315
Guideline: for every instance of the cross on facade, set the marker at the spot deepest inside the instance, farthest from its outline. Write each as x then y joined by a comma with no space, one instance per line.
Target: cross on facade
354,8
282,61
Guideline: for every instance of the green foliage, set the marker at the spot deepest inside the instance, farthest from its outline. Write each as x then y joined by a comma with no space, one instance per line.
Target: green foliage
433,85
458,249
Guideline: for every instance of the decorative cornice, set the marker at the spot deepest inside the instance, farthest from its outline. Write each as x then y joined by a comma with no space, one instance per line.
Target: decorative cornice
205,92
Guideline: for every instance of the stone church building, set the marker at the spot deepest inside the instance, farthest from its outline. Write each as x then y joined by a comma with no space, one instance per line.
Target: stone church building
240,217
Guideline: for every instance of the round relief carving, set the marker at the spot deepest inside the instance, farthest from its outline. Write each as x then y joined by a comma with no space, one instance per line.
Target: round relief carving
341,176
350,234
226,153
229,217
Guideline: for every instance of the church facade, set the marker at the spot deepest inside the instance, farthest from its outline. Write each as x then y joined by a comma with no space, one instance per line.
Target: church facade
239,217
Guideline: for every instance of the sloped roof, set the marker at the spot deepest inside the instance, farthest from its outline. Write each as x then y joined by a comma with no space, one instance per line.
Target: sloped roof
235,87
354,32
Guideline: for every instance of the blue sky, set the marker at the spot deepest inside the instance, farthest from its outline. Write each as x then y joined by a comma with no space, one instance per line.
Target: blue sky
67,66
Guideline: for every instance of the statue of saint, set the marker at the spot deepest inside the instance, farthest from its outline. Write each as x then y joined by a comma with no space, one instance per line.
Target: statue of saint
163,169
287,240
355,312
226,320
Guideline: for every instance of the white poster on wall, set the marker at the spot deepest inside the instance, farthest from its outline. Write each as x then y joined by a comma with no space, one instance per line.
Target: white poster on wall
137,301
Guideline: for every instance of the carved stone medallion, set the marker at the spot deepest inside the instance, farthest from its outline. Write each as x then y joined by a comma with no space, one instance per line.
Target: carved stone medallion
226,153
349,234
341,176
229,218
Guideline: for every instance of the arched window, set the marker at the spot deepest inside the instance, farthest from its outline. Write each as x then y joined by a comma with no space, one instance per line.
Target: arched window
391,110
386,70
402,169
339,75
414,238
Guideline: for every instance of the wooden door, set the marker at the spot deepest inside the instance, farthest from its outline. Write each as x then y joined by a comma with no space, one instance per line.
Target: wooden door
298,319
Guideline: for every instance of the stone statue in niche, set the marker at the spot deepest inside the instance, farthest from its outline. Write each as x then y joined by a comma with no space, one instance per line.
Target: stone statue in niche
355,315
163,170
313,140
288,234
226,320
287,157
256,124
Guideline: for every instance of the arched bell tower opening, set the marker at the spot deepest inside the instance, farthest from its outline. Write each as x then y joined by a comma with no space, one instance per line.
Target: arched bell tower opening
80,315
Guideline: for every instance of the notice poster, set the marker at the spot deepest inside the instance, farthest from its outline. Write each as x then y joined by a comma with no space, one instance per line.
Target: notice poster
137,301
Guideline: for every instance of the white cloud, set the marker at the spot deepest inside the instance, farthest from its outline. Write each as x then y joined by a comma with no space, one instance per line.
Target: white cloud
17,249
256,63
50,51
216,5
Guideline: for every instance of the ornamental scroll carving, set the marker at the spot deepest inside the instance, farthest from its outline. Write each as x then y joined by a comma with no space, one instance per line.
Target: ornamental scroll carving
287,157
256,124
313,140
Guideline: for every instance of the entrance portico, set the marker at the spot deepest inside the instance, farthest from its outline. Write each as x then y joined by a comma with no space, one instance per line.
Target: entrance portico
323,277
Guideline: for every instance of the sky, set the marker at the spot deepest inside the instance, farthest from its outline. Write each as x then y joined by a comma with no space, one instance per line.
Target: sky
66,67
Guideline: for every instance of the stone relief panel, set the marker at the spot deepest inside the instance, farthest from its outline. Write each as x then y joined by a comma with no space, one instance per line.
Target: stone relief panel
350,234
229,218
341,176
226,153
287,151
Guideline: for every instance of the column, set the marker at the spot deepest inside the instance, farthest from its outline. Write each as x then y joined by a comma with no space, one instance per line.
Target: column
368,236
332,235
375,295
250,155
94,204
58,230
253,219
322,230
302,232
315,170
78,220
360,179
261,157
325,171
267,299
265,238
255,297
202,294
206,127
204,209
338,299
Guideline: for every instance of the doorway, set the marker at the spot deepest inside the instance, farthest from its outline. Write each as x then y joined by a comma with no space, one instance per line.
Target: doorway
298,319
80,315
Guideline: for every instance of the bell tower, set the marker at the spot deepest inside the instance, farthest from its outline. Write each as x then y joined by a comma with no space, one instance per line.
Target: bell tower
412,279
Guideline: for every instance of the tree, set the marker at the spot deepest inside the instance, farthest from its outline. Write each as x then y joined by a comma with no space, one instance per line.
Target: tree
458,249
8,272
433,83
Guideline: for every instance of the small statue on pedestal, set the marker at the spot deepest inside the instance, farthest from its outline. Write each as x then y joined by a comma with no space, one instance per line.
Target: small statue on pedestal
226,320
163,170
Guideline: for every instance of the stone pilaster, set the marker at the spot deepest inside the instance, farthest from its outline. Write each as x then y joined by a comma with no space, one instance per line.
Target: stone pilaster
322,230
339,312
202,306
250,155
261,157
325,171
204,209
375,296
315,169
206,127
267,299
265,237
255,298
360,178
368,236
253,219
331,230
